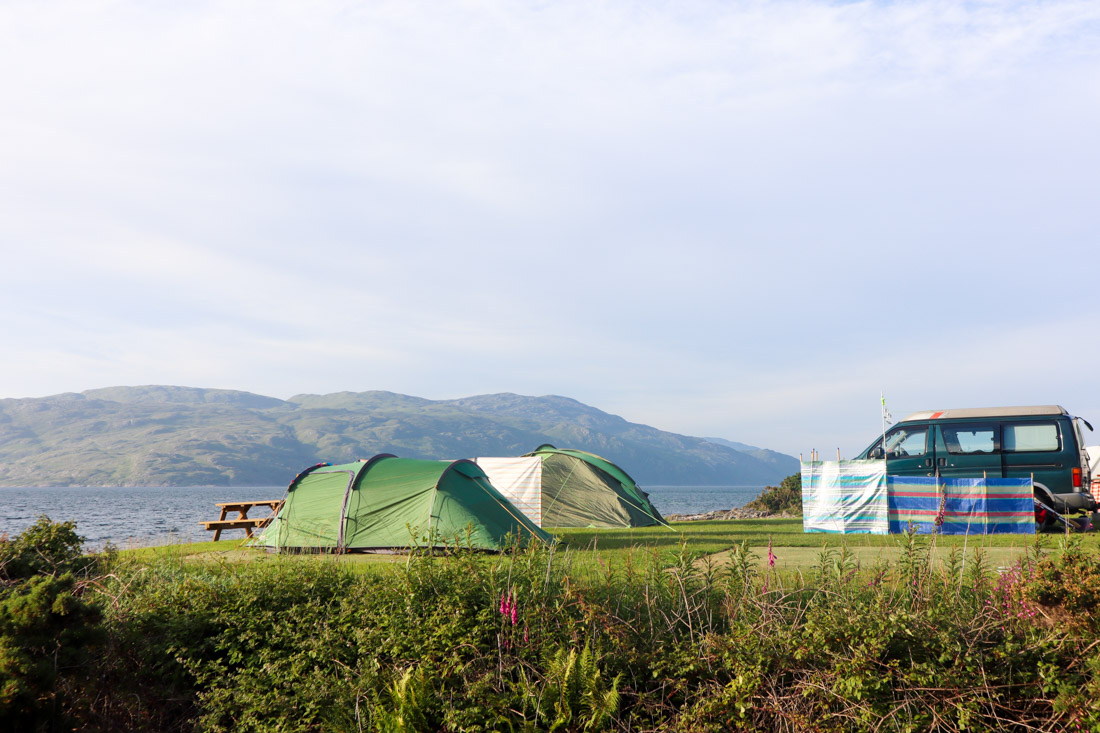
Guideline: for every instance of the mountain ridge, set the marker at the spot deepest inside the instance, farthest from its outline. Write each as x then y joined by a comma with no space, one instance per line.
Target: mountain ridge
161,435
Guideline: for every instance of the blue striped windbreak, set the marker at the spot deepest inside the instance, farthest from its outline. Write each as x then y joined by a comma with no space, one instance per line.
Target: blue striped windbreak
849,497
961,506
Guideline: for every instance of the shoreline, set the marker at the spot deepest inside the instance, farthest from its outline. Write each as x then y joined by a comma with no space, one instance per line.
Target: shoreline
736,513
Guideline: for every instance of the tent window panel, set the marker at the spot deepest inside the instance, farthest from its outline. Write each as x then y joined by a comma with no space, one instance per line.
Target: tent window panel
1031,437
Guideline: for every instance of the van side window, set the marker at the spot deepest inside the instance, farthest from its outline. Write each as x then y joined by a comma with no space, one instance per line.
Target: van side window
970,438
906,442
1025,437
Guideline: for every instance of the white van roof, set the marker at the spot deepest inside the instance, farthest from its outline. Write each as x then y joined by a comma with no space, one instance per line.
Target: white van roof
975,412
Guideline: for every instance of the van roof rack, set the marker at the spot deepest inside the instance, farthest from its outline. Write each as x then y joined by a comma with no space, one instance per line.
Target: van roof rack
972,412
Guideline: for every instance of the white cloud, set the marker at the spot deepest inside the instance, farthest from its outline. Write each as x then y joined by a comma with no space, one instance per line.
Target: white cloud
432,195
807,396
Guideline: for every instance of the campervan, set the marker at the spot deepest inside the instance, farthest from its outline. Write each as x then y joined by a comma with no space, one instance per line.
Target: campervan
1044,443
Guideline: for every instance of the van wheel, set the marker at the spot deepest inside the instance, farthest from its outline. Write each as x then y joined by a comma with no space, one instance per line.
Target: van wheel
1044,518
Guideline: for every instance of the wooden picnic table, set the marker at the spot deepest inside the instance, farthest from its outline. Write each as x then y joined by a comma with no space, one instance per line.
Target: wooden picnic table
242,520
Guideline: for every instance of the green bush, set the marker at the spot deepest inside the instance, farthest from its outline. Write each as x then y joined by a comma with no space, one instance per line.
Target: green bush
43,548
1067,587
787,497
46,630
532,640
48,627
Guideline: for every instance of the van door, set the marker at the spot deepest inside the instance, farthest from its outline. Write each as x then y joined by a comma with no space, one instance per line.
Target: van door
907,451
969,450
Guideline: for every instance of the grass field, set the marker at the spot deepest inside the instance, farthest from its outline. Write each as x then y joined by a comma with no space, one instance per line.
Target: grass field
796,551
793,549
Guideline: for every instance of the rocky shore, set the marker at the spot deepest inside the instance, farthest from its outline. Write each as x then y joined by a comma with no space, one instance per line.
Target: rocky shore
739,513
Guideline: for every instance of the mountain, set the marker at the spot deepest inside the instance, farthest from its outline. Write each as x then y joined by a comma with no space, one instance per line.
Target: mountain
743,447
782,462
185,436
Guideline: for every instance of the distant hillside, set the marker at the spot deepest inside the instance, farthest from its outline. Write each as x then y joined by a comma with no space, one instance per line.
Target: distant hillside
787,464
183,436
743,447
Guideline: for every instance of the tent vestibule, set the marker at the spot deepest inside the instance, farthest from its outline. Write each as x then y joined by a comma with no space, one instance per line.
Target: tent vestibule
571,488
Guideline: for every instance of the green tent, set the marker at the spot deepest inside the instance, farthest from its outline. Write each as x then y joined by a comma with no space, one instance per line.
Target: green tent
395,503
571,488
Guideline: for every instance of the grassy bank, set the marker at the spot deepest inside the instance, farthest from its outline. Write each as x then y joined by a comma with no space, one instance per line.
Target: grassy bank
794,549
608,631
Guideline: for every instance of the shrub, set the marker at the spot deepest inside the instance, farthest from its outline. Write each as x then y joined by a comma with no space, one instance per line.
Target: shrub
787,497
43,548
1068,587
47,625
531,640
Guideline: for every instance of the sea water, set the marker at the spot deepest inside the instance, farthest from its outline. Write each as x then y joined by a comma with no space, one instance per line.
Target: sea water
137,517
700,499
127,517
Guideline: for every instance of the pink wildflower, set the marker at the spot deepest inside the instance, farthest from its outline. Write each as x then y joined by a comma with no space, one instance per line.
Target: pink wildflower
509,609
771,555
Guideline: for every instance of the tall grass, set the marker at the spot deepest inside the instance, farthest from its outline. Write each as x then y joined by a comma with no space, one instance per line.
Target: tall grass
562,639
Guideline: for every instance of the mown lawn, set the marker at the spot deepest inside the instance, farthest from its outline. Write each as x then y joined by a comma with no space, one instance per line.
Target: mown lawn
793,549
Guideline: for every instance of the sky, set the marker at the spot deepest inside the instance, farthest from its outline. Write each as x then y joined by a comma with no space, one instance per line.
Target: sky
734,219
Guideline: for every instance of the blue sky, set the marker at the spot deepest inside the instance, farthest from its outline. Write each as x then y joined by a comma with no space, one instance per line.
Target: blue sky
738,219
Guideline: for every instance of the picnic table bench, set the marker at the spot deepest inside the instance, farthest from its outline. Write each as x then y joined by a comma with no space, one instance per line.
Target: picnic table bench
242,520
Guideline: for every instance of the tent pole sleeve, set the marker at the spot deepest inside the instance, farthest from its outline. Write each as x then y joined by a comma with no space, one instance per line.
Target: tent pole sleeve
340,538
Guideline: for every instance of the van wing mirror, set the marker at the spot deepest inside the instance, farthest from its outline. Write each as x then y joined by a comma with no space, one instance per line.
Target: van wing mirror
877,452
